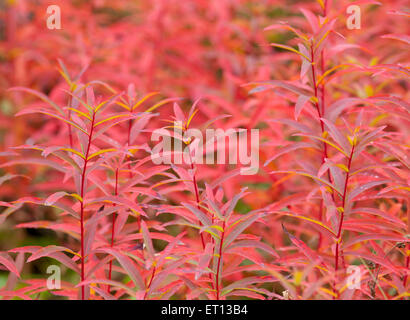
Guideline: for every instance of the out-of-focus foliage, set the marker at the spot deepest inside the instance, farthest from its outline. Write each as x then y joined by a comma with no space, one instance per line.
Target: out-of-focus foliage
78,188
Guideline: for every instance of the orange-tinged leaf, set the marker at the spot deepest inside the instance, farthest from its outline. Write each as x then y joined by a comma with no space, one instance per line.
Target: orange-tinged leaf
8,262
40,95
123,105
321,224
141,101
324,75
80,113
74,151
147,240
311,176
111,118
191,117
95,154
282,46
161,103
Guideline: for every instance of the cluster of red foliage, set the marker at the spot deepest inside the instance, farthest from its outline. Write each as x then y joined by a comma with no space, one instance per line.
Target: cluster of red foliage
331,195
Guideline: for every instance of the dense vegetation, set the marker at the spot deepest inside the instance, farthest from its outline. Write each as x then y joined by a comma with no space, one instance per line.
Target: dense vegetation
79,189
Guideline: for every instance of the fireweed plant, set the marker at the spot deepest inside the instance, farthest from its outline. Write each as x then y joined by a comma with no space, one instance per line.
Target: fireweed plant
350,164
325,217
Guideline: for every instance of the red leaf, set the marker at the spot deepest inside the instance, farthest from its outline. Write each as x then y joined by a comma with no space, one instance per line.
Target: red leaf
8,262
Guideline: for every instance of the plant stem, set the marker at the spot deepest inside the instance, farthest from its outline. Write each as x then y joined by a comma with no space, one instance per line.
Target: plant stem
196,190
113,227
219,262
82,204
199,207
197,199
70,132
150,282
197,202
129,163
320,113
339,232
317,102
128,141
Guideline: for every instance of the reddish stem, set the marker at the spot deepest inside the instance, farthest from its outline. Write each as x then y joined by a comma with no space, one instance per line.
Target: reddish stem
196,190
219,261
129,163
82,204
113,227
197,199
197,203
150,282
70,132
320,112
339,232
322,127
128,141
